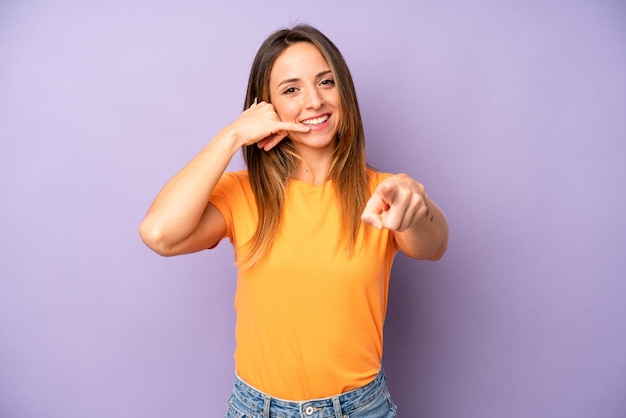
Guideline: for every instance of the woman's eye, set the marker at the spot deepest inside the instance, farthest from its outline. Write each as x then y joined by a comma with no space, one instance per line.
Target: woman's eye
290,90
328,82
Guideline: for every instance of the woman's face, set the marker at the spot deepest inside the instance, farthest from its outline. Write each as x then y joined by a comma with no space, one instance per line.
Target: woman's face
302,90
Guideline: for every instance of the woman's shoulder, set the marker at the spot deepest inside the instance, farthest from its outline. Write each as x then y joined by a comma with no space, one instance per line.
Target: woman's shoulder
232,181
240,176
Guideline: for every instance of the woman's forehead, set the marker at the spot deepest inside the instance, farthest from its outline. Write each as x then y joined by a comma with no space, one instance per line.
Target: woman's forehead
301,60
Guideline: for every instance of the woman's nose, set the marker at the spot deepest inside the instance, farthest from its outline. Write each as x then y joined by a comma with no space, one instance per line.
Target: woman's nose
314,99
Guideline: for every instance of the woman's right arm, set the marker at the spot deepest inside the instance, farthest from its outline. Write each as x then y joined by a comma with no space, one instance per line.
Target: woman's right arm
180,220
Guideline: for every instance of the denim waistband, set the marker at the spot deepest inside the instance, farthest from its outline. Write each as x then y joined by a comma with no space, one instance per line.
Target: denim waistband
331,406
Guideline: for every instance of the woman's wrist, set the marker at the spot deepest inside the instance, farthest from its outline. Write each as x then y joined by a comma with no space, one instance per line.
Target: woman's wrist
229,139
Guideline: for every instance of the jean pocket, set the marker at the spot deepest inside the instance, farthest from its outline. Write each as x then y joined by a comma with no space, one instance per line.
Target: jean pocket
392,406
236,411
378,407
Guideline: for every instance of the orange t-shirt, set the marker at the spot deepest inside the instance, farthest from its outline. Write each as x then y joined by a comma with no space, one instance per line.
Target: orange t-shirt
309,317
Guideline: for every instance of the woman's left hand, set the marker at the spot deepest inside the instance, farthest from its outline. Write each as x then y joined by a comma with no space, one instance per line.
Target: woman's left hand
396,204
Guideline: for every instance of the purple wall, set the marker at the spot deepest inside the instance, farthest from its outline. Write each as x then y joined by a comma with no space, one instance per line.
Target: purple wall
512,114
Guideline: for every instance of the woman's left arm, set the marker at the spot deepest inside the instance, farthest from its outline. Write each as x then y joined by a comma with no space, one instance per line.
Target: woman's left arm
401,205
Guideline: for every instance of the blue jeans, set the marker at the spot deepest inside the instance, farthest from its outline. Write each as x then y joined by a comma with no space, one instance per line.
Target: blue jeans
370,401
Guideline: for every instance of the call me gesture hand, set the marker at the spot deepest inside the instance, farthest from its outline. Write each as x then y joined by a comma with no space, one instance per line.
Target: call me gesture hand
260,124
400,204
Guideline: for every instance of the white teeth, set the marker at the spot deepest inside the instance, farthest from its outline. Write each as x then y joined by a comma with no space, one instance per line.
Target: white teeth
315,121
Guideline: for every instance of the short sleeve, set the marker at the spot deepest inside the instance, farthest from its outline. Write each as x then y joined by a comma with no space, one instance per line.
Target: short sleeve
223,196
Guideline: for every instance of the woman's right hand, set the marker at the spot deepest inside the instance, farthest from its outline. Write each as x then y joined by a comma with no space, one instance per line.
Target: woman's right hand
260,124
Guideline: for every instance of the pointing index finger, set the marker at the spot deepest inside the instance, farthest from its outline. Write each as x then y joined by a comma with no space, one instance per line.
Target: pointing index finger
374,207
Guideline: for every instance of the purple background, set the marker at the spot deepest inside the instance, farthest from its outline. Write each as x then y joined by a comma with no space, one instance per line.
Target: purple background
512,113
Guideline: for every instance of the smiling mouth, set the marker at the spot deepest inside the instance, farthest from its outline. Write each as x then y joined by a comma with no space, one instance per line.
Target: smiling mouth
315,121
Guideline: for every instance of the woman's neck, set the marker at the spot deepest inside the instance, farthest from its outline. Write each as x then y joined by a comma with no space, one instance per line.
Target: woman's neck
313,168
309,174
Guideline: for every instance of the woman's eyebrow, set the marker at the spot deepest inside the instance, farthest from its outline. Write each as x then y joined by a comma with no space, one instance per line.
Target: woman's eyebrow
293,80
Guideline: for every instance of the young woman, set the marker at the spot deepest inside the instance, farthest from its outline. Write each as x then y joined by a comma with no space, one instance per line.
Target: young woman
314,232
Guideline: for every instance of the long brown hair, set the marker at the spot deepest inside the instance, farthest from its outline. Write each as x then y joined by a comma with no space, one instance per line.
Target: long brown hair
269,172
